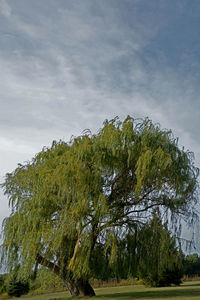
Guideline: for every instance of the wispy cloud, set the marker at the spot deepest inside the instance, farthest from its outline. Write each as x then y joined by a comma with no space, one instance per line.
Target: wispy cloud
5,9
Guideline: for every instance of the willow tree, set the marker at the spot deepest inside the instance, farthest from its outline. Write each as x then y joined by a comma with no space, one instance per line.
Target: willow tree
72,197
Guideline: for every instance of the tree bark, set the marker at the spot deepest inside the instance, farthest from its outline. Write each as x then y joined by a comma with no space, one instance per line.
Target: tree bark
72,287
85,288
75,287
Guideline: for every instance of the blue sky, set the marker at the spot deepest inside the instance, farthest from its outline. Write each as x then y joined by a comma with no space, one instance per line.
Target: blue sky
67,65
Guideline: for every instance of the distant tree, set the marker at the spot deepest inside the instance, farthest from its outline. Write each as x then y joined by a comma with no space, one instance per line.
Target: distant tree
75,197
192,265
150,253
160,261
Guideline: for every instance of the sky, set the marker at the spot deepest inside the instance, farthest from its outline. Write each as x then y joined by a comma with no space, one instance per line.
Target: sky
67,65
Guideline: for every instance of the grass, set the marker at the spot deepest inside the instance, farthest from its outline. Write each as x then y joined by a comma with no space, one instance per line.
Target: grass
189,290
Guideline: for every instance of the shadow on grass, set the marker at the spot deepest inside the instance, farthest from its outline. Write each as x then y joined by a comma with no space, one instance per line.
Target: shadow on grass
181,291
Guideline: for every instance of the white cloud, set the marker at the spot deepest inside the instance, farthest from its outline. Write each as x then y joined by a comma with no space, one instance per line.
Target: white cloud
10,145
5,9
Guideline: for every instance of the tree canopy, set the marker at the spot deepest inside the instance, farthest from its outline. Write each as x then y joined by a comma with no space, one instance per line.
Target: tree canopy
72,197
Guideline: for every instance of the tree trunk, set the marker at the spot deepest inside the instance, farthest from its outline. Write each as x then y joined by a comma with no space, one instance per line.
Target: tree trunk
75,287
72,287
85,288
79,287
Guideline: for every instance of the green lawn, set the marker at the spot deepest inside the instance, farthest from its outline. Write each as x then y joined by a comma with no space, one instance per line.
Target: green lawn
189,290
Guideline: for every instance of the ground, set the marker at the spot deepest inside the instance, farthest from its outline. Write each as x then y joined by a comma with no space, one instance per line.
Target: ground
188,290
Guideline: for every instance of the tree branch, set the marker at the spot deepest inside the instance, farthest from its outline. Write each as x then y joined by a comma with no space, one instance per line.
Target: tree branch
46,263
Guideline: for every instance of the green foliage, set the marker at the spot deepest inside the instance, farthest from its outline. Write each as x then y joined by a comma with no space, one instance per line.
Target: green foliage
192,265
16,287
2,283
46,281
150,253
75,197
160,261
